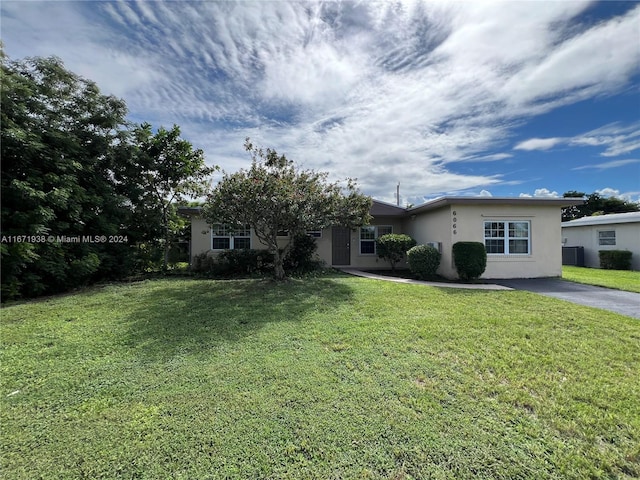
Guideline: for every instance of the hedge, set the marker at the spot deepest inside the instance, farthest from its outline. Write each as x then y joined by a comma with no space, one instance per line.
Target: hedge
615,259
470,259
423,261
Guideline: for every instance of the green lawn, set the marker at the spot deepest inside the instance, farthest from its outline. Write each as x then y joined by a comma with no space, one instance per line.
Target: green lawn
618,279
329,378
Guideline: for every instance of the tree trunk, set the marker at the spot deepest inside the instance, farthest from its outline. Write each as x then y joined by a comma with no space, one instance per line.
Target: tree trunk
167,235
278,264
165,263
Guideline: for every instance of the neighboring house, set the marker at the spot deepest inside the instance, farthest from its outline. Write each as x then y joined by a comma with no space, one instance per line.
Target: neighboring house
522,235
616,231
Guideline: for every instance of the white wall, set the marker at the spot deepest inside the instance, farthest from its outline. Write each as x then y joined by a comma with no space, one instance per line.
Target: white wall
627,238
435,226
456,223
450,224
369,261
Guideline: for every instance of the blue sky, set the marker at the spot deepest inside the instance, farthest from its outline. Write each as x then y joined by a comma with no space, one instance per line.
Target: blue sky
446,98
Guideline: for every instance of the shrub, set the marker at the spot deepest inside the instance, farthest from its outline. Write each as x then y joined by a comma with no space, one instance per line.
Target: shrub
300,257
393,247
423,261
615,259
243,261
470,259
203,263
233,262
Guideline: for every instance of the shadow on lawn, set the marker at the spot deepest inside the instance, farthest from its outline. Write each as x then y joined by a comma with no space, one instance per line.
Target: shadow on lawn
196,316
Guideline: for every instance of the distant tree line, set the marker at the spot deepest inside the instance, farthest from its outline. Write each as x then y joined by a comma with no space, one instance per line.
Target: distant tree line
596,204
86,195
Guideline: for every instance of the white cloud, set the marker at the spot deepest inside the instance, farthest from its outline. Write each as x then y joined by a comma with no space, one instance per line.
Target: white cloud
541,193
617,138
539,143
545,193
570,67
485,193
608,192
608,165
382,91
613,192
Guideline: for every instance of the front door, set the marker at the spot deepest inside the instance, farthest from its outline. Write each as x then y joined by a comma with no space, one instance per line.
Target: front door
340,246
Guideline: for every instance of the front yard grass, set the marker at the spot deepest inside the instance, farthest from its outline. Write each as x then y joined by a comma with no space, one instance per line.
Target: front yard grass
619,279
325,378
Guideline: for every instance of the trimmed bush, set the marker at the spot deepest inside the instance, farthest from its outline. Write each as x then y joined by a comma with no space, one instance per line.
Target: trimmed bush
233,262
615,259
423,261
202,263
393,247
470,259
300,256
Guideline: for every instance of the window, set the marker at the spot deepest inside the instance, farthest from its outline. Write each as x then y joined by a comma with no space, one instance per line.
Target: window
368,237
223,237
507,238
607,237
315,233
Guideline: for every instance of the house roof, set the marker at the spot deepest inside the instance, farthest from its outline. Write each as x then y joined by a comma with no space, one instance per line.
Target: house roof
189,211
630,217
524,201
384,209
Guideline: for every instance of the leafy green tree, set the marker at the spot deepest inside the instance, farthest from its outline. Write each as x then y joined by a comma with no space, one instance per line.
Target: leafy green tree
157,171
274,196
596,204
56,133
393,247
79,184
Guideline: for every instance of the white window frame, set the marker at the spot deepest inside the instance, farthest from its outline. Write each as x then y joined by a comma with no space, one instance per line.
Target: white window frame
608,239
504,226
376,229
221,231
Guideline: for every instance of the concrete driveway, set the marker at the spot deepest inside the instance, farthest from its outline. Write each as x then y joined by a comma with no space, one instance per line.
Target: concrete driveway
626,303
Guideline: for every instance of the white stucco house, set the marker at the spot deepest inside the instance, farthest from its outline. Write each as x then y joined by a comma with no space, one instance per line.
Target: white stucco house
522,235
616,231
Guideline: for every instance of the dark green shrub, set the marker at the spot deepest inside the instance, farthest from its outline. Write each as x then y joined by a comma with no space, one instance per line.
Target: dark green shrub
470,259
423,261
300,257
203,263
244,261
615,259
393,247
233,262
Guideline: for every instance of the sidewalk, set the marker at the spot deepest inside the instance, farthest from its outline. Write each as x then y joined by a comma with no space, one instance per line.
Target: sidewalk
469,286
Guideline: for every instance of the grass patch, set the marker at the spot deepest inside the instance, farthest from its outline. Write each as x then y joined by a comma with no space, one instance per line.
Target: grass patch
628,280
333,377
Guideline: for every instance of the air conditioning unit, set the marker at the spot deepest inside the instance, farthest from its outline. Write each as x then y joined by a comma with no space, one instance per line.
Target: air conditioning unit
573,256
436,245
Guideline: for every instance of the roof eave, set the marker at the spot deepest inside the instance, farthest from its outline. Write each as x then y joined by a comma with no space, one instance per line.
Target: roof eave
521,201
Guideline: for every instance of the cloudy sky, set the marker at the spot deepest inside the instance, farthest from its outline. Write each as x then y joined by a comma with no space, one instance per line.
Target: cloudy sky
445,98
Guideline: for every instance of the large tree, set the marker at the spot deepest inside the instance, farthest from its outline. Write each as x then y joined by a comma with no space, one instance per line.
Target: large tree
56,133
273,196
156,171
596,204
80,185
